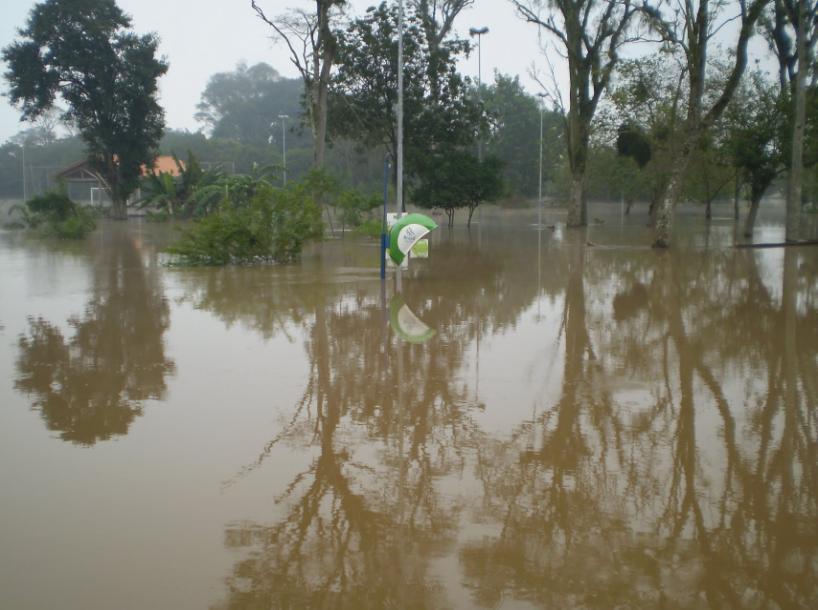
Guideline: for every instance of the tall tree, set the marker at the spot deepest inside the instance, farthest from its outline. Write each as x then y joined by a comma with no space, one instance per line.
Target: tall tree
310,37
755,125
793,34
643,105
437,19
591,32
690,27
241,104
515,134
84,52
365,88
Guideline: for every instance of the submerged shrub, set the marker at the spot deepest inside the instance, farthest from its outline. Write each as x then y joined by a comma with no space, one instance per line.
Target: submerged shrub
54,214
272,227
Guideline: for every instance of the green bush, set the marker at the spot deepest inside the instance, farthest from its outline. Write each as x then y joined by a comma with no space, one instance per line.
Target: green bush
54,215
370,228
272,227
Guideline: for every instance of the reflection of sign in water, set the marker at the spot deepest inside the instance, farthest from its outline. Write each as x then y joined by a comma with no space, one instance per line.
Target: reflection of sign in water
406,232
406,324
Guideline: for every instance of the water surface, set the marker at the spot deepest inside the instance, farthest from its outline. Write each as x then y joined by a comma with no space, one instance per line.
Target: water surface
533,420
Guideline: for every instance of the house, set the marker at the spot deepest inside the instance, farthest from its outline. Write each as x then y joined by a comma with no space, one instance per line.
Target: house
85,185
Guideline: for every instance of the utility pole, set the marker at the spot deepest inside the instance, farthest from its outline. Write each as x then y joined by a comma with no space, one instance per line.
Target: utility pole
399,152
479,33
539,191
284,118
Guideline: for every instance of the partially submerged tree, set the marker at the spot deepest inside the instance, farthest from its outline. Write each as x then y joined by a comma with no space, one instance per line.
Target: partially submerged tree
456,179
515,135
84,52
591,33
690,28
644,99
793,34
755,126
310,38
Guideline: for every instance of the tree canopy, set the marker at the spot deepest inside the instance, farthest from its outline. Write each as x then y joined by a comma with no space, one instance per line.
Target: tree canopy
242,104
456,179
438,108
84,52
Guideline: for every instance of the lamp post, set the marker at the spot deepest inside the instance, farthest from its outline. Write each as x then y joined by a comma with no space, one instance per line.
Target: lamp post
539,192
479,33
284,118
399,113
23,168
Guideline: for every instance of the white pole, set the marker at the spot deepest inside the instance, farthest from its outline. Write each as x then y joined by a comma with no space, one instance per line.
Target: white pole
284,118
399,200
539,192
399,152
25,189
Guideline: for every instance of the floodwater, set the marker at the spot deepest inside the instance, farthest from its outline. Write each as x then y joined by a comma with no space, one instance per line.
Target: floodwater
534,420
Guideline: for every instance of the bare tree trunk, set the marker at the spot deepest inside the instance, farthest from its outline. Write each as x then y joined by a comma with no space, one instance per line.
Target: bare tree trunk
321,85
736,198
119,208
320,133
663,226
577,208
312,49
472,208
749,224
795,184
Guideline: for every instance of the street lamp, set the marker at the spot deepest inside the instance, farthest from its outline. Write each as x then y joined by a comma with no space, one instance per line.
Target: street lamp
23,164
539,193
479,33
284,118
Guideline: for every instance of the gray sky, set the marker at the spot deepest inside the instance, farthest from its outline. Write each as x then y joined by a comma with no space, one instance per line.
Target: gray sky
202,37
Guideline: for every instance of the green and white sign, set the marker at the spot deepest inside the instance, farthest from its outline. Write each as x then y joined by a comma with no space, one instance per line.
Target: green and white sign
407,231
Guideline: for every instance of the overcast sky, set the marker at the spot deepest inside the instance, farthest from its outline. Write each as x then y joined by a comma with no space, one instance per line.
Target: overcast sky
202,37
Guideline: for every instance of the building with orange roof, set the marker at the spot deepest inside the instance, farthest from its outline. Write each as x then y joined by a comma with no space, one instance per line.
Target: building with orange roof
85,185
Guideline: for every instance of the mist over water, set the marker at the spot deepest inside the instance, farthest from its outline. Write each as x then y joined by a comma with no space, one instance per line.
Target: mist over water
555,419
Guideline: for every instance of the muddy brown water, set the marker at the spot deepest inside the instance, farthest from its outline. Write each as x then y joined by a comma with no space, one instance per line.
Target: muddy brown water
535,420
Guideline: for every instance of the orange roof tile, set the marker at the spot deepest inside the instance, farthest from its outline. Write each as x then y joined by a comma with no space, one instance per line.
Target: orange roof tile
164,164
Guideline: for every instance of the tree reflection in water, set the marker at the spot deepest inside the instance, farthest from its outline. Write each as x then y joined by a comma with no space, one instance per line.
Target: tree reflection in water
704,495
91,387
362,533
676,467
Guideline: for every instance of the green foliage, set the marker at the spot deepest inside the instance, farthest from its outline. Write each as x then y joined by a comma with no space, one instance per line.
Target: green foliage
515,135
220,189
439,110
356,207
633,142
271,225
243,104
84,52
370,228
755,125
171,194
53,214
457,179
